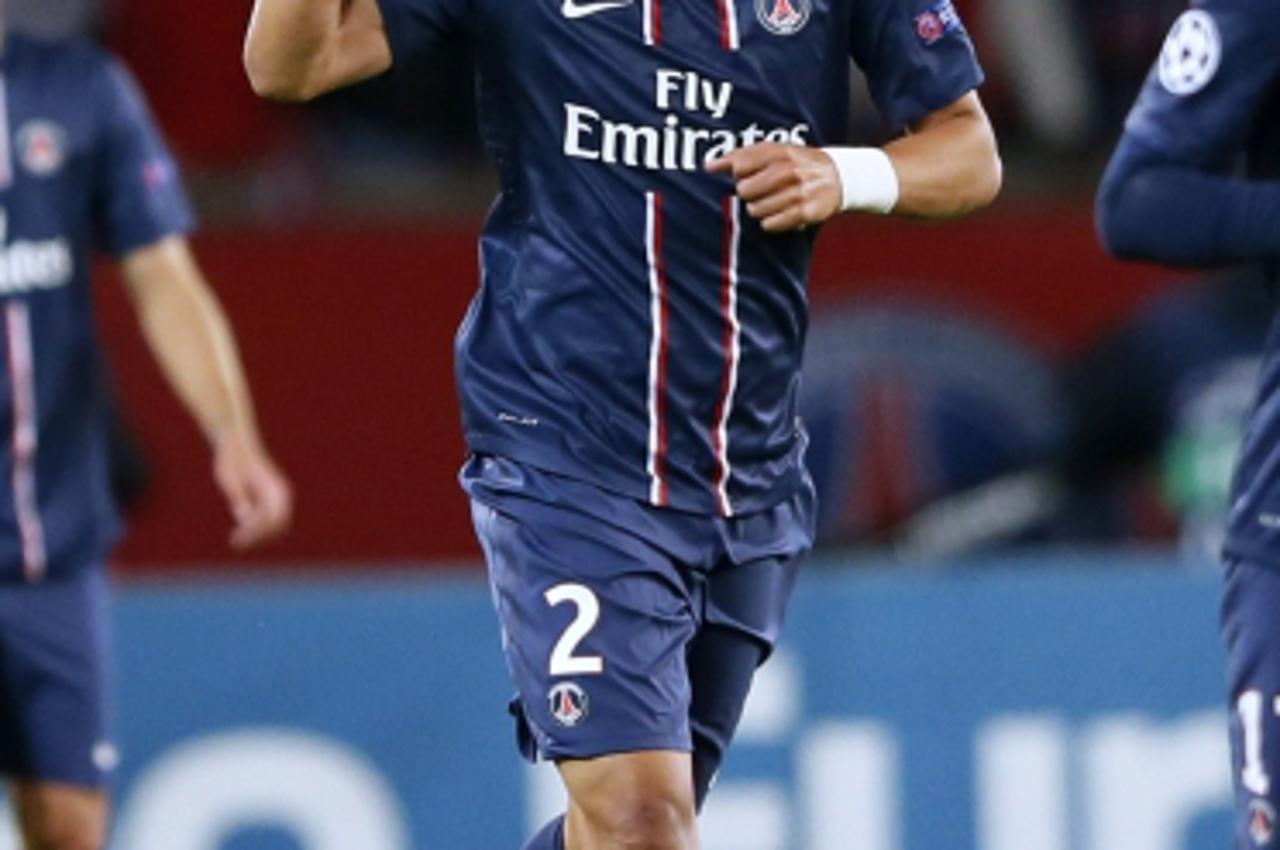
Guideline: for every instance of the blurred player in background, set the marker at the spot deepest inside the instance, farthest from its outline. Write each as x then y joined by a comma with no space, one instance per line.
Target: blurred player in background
629,370
82,167
1196,181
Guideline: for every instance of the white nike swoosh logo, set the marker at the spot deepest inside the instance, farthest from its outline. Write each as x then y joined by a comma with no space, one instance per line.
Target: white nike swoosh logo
573,11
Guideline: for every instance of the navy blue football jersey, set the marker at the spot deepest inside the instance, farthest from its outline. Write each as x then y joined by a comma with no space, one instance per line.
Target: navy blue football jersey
81,168
1209,112
634,328
1212,98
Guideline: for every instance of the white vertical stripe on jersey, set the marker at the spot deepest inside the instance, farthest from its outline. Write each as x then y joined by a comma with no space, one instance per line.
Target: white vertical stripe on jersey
655,346
733,355
647,9
729,11
25,438
6,143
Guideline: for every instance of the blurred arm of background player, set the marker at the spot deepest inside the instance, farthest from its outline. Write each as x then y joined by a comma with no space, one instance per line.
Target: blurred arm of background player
1174,192
946,166
192,340
299,49
1181,213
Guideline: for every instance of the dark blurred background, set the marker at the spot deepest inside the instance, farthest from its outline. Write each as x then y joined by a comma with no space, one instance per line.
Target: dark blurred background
982,385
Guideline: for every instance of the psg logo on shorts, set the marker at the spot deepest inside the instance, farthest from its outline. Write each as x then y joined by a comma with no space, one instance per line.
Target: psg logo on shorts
784,17
1262,822
568,704
42,147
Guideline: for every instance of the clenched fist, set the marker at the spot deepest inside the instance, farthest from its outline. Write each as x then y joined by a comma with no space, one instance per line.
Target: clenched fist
785,187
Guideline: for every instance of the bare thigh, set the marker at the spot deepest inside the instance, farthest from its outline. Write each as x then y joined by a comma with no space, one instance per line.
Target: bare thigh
60,817
632,801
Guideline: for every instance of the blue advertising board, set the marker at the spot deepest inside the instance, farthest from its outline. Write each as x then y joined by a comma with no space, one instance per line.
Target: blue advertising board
1060,704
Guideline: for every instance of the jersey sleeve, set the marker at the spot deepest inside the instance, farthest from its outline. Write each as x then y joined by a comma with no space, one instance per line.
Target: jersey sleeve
1200,100
916,54
1170,193
414,26
139,198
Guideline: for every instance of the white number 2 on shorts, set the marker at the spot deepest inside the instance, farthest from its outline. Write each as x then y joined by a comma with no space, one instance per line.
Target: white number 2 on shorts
563,661
1253,776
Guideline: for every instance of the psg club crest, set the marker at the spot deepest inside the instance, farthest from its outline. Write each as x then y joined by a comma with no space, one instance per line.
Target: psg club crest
42,147
1262,822
784,17
1191,54
569,704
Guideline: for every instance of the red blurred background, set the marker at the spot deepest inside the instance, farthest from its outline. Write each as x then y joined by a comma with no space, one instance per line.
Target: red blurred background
357,328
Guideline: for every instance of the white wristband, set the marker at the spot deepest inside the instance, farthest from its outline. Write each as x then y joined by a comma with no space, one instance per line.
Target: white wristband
867,179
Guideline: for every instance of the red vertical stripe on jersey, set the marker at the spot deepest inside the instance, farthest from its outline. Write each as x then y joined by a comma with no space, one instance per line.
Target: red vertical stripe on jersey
728,24
25,438
665,342
658,351
731,341
652,22
6,145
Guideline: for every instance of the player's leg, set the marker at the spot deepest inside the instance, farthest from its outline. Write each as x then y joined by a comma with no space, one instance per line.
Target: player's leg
60,817
1251,629
624,800
596,625
53,688
630,801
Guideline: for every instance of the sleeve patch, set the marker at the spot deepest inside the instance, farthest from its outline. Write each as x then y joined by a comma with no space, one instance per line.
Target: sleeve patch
158,174
937,22
1191,54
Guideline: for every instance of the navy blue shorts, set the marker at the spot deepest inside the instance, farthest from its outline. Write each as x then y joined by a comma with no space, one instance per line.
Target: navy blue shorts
54,681
602,599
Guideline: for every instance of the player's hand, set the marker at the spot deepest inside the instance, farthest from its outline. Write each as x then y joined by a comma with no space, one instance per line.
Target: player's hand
258,494
785,187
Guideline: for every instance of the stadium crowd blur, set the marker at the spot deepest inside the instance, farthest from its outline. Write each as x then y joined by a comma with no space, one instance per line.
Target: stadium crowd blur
992,383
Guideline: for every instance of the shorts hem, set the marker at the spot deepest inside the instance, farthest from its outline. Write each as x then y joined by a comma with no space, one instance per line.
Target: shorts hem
586,753
97,783
784,487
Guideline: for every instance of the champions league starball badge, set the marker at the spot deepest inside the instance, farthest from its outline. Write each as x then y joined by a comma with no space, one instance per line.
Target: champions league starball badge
784,17
1191,54
569,704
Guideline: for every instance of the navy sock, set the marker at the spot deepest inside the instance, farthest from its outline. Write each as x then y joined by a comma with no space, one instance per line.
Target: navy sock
551,837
